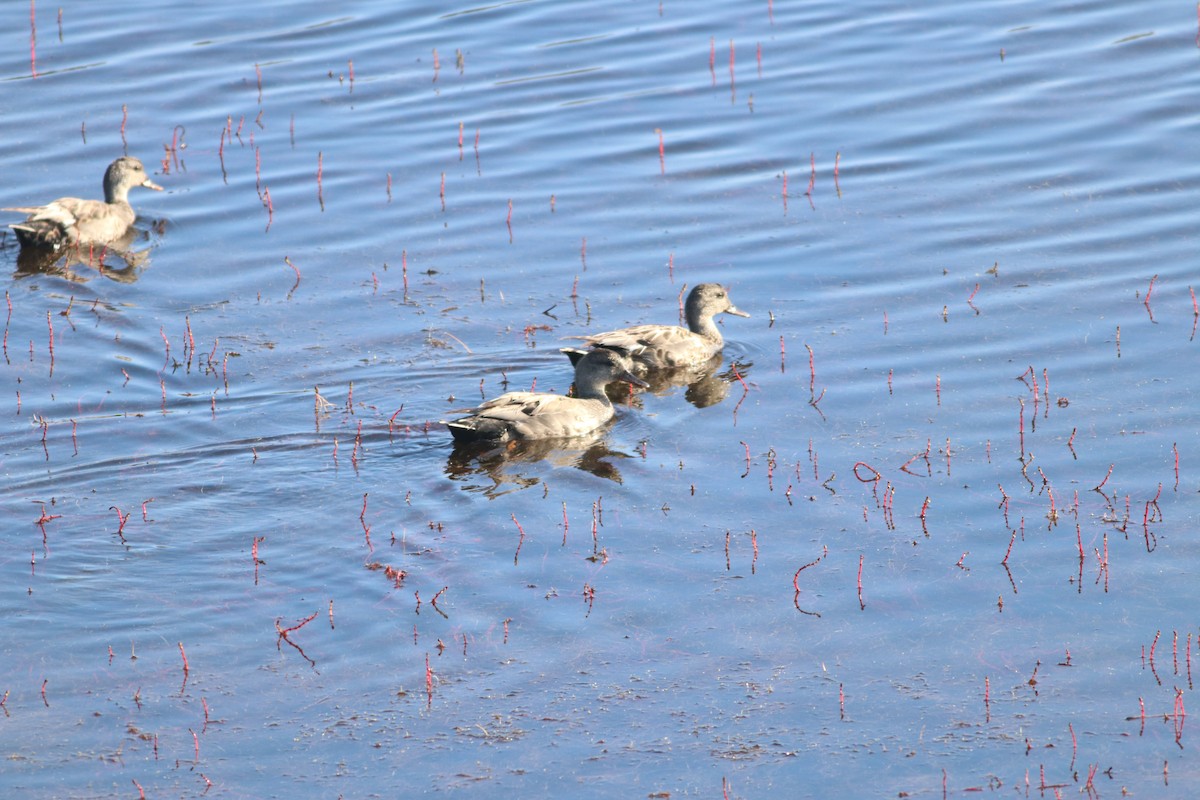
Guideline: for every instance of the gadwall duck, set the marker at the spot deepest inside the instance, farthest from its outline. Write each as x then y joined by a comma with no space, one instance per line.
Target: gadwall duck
670,346
71,221
540,415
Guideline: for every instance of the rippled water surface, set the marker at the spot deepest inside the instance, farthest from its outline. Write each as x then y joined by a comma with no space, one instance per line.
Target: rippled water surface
928,528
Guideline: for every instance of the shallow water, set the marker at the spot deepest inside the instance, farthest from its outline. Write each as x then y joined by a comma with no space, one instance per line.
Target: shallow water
1001,195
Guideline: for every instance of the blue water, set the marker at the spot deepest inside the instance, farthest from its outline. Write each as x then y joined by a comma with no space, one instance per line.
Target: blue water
1012,181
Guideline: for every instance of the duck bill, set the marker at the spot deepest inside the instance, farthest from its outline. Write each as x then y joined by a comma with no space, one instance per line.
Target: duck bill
149,184
737,312
629,377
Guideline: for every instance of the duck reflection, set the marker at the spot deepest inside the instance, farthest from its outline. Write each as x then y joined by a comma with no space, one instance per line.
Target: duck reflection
511,466
703,385
122,260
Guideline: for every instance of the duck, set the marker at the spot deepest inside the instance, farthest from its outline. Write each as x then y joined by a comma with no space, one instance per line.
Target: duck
670,346
72,221
542,415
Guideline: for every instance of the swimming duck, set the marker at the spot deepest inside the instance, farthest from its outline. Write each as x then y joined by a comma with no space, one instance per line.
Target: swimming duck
70,220
540,415
670,346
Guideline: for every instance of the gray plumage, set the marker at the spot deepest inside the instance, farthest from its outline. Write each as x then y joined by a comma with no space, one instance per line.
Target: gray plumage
670,346
540,415
72,221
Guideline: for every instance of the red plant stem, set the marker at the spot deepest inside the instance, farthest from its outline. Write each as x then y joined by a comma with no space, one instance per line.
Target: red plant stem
812,175
924,508
520,541
428,682
50,325
1175,650
712,58
186,669
1175,450
861,604
33,39
1022,427
814,562
784,192
875,473
270,206
662,155
1106,477
285,631
1150,289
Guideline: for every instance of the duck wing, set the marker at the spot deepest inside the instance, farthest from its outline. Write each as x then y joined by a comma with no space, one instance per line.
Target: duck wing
657,346
531,415
70,219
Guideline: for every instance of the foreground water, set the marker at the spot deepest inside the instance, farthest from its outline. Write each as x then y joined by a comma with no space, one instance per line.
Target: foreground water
966,237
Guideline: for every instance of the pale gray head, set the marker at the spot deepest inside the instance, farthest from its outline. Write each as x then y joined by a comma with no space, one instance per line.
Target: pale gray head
124,174
599,367
706,301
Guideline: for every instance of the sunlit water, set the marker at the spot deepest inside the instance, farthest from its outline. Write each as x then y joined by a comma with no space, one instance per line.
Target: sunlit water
978,198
